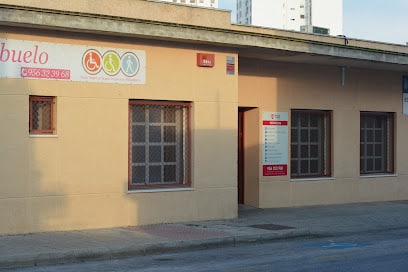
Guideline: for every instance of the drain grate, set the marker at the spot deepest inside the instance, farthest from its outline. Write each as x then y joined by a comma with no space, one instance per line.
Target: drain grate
271,227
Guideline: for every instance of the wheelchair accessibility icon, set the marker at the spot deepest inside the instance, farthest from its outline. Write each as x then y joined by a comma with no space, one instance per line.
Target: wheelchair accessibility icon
91,61
111,63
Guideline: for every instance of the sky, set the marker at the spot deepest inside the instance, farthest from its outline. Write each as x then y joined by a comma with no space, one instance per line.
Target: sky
374,20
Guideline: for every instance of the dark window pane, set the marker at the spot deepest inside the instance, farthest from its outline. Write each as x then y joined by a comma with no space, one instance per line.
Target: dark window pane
138,154
294,136
138,134
295,119
155,153
155,174
169,115
378,122
370,150
294,151
170,153
304,151
378,165
138,174
304,120
314,120
378,150
369,122
304,166
378,136
314,135
304,136
169,134
314,166
41,115
370,136
314,151
154,134
138,113
169,173
370,165
294,167
154,114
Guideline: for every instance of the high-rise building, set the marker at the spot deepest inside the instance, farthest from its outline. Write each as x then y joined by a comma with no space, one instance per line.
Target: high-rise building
312,16
199,3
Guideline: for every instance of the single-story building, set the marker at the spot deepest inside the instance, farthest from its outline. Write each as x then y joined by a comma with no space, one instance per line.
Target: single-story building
131,112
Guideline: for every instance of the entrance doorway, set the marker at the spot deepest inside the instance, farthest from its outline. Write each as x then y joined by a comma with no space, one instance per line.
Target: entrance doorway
242,145
248,156
240,156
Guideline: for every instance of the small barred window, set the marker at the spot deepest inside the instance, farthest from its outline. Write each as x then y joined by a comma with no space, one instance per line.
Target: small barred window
41,115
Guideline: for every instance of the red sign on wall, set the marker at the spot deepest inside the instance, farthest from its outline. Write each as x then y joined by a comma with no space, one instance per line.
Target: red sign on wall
205,60
275,170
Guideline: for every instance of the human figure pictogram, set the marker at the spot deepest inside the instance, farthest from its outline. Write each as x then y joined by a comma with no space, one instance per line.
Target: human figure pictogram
91,64
129,67
110,66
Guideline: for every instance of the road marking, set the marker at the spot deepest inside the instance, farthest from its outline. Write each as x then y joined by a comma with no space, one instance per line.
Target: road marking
337,245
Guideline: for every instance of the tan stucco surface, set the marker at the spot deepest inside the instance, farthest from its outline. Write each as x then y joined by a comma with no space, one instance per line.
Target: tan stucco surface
279,87
78,178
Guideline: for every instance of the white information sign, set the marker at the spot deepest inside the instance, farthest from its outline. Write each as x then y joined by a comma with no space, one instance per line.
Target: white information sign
275,143
405,103
57,61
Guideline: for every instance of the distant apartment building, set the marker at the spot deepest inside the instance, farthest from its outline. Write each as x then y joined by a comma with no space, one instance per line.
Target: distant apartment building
312,16
199,3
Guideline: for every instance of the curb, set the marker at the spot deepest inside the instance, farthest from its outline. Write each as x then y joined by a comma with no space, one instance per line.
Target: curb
106,253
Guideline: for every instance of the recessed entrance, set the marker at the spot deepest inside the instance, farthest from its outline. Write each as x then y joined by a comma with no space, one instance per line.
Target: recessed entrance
241,153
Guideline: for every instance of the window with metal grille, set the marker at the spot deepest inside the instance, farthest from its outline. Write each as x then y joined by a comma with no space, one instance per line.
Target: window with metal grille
41,115
159,144
376,142
310,143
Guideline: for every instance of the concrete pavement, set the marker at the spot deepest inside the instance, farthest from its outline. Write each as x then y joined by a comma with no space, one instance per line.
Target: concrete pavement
252,225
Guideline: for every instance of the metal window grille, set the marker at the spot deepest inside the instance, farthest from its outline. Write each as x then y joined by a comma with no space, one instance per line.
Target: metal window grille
41,114
376,142
310,143
159,144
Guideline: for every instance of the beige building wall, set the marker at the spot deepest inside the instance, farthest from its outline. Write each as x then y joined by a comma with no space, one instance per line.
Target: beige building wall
78,178
278,87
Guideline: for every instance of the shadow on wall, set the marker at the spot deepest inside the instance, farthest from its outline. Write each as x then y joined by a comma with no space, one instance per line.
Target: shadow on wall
30,199
213,194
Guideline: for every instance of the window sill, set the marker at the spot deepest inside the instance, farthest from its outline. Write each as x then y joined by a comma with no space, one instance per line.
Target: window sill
312,179
43,135
378,176
159,190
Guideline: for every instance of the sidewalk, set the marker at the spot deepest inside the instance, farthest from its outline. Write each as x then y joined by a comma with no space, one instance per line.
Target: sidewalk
253,225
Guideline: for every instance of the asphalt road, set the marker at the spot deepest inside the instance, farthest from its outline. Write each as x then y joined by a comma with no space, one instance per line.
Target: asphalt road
381,251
